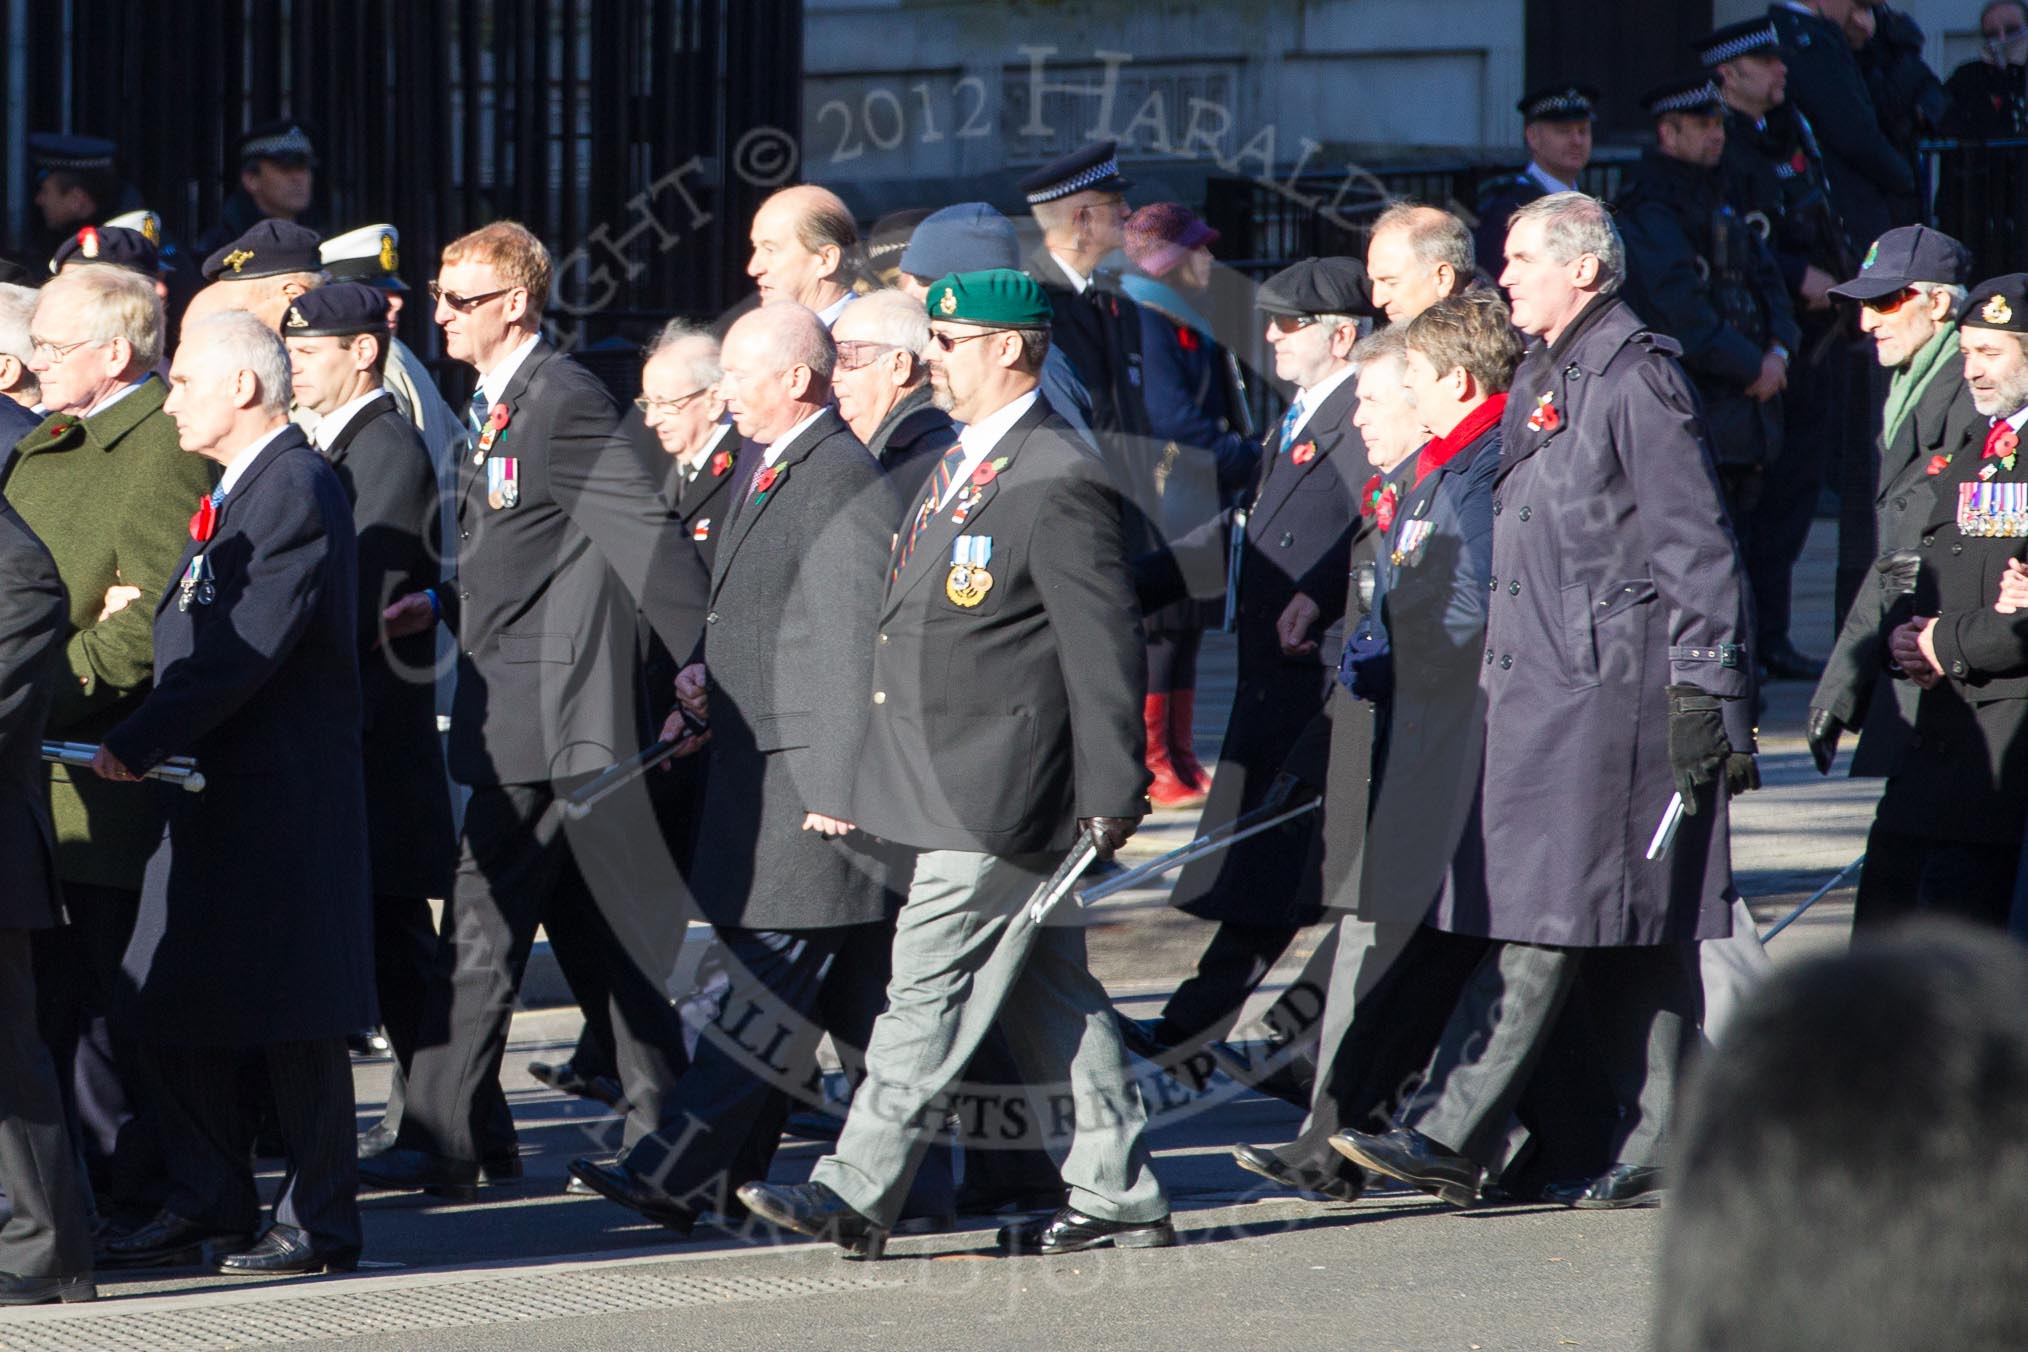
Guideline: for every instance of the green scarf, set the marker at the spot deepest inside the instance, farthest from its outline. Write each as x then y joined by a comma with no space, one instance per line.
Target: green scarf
1909,382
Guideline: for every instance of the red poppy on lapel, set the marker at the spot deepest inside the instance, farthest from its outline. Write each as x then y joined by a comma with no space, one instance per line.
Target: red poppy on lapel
765,480
1383,510
1545,418
1938,464
985,474
204,521
1304,453
720,463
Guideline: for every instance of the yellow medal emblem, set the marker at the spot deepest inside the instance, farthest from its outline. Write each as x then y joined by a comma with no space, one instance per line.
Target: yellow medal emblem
1997,310
388,258
238,259
949,304
967,585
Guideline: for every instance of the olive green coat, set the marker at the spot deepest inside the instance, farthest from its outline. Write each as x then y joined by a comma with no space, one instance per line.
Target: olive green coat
111,495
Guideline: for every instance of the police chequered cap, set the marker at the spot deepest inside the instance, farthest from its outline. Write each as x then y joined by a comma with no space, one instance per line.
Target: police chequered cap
284,141
1318,286
369,254
341,309
1559,103
53,150
1998,303
268,249
1693,94
114,245
1095,166
1904,256
997,298
1738,39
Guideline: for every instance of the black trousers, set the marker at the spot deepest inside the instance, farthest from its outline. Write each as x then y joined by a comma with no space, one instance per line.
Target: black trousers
1172,660
1773,535
517,872
208,1138
1907,875
77,972
1644,1006
49,1232
1232,965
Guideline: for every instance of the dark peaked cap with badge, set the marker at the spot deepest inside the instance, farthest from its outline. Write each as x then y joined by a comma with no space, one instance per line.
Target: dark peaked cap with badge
1559,103
1096,166
338,310
269,248
1904,256
1753,37
1998,303
282,141
1690,94
998,298
110,244
1318,286
53,150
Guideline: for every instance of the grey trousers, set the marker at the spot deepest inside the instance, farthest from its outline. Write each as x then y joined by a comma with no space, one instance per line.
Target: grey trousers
964,950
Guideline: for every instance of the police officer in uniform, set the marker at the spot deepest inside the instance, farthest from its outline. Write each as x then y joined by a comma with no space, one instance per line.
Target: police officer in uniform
1947,837
1697,272
1556,122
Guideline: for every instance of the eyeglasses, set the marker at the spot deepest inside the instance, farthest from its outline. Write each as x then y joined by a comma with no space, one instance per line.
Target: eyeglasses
55,353
464,305
1887,305
1290,323
946,342
647,405
855,353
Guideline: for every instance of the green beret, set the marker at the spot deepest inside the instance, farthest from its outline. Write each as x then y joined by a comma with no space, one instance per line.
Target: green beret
998,298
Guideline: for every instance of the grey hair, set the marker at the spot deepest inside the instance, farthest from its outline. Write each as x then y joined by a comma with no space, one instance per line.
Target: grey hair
248,345
17,303
1362,325
1575,224
1390,344
113,303
1958,294
703,367
893,320
1434,235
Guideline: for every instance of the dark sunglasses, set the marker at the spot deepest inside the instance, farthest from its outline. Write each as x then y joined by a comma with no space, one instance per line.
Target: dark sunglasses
949,344
1887,305
464,305
1290,323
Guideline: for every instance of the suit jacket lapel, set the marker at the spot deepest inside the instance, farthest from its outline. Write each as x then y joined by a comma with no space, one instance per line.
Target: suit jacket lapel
289,437
933,545
752,508
1325,428
470,473
342,443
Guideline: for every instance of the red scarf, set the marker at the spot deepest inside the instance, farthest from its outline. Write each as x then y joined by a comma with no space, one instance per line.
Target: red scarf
1441,450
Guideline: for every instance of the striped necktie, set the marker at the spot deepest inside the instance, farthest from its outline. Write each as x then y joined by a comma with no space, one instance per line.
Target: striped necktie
480,411
1290,422
939,485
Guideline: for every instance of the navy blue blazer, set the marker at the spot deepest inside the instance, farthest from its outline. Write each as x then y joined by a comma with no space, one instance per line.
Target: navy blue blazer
34,617
256,922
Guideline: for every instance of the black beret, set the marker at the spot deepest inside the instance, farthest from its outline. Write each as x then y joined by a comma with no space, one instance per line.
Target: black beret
1999,303
111,244
1690,94
1559,103
1738,39
1318,286
267,249
1094,166
342,308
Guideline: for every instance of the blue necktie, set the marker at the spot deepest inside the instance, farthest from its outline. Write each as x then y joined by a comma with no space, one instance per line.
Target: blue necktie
1290,422
480,410
218,495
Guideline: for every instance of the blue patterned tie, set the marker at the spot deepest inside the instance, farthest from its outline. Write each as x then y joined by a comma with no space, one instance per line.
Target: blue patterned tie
218,495
1291,421
480,411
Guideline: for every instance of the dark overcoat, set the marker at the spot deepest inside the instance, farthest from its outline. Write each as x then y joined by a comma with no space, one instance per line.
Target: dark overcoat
1615,576
256,921
385,469
1854,686
1298,539
995,726
788,643
32,624
704,504
1962,775
909,441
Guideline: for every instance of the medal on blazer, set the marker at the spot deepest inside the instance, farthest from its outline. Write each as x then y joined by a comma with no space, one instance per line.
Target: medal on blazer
1545,418
702,530
197,584
496,424
1414,535
973,492
969,581
503,482
1993,511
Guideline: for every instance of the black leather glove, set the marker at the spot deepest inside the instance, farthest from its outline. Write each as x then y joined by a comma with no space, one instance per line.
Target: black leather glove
1108,833
1822,731
1898,569
1699,750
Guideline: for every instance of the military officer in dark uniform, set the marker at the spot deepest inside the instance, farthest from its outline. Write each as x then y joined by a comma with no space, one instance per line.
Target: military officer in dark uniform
1873,182
276,167
1910,291
77,183
1699,273
1947,837
1556,122
1292,584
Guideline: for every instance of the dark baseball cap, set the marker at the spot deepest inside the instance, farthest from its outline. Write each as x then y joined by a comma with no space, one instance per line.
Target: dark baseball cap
1905,255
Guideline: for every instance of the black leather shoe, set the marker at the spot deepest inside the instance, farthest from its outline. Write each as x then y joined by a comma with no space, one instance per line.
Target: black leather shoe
368,1042
1258,1159
1782,661
814,1210
285,1251
1415,1159
564,1076
1070,1230
1623,1185
617,1183
18,1290
166,1241
378,1139
412,1171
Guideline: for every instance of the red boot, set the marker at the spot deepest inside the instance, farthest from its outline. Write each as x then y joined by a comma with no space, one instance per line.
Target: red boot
1167,791
1182,741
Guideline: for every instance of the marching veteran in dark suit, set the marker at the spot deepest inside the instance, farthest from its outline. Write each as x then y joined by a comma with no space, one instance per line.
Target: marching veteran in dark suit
798,897
1910,292
1614,670
104,484
45,1246
560,532
883,389
1006,679
1947,836
255,933
1292,584
338,344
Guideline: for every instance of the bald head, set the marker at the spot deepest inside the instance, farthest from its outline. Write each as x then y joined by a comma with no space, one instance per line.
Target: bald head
803,241
265,298
777,362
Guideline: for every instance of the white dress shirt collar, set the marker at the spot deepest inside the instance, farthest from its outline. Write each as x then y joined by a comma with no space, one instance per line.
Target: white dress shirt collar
115,397
1548,181
979,438
338,419
773,451
494,383
829,314
1078,281
1313,399
236,468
